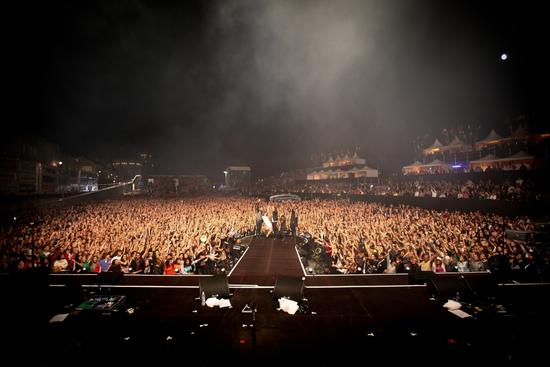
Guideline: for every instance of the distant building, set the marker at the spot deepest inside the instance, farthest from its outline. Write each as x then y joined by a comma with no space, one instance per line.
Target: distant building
520,160
436,166
8,176
47,179
126,169
28,165
176,185
77,174
30,149
237,176
343,167
147,165
521,149
344,161
87,174
454,147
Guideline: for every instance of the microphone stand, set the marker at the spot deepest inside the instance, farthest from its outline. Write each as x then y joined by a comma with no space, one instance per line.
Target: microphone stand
254,310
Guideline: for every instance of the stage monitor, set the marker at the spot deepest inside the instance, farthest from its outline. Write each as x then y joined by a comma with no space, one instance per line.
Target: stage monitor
215,286
289,287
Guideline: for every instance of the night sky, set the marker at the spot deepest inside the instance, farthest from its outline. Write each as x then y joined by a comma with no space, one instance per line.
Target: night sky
206,84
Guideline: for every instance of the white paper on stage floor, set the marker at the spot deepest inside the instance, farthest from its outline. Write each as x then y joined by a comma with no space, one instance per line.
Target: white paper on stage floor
288,306
452,305
211,302
59,317
460,313
221,303
224,303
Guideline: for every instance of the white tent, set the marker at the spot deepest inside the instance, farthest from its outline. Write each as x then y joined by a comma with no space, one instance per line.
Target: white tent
412,168
491,139
434,148
512,162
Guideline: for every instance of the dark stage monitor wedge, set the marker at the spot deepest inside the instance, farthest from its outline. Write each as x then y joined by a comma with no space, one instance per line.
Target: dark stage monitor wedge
290,287
216,286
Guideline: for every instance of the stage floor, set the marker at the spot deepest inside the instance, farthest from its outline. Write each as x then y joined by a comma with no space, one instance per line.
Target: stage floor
334,325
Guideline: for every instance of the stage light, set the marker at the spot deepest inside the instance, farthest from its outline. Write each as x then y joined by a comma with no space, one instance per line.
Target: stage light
60,163
504,57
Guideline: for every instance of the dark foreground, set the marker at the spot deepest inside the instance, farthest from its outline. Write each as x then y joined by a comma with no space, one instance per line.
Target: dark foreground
393,319
397,324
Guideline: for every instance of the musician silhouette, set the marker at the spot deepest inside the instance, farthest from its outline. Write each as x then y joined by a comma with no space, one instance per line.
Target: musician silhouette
293,222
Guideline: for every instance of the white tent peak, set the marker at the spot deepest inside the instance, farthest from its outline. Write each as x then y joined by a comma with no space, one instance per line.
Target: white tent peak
456,142
492,136
436,144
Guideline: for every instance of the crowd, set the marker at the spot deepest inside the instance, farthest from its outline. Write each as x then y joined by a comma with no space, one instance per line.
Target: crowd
517,190
198,235
133,236
372,238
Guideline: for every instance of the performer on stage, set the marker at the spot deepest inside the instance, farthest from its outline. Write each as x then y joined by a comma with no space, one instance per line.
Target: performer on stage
259,221
268,224
275,221
293,222
282,225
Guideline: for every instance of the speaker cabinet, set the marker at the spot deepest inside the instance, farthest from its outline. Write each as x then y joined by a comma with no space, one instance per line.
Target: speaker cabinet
216,286
290,287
